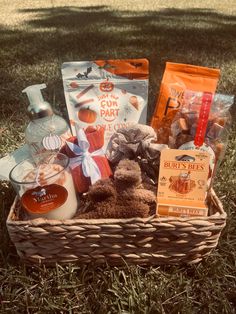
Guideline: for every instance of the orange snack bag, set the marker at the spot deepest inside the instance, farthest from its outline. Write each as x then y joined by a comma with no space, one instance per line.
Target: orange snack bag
176,79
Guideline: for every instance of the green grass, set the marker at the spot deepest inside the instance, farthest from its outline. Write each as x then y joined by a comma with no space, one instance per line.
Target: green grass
35,38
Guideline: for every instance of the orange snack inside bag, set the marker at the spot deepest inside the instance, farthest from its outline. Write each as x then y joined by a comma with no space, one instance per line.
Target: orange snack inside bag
176,79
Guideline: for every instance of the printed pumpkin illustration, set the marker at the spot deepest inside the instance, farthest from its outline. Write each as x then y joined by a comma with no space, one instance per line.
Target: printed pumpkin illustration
52,142
106,86
87,115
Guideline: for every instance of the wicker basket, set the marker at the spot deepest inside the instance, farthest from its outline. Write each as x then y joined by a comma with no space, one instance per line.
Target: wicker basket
149,241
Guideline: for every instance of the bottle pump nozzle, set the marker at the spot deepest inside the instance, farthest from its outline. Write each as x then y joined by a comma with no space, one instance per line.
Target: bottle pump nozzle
38,108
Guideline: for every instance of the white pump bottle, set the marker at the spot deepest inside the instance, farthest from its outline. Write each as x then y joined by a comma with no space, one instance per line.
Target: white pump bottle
46,131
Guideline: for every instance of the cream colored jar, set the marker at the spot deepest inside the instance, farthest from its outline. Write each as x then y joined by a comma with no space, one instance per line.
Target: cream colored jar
45,187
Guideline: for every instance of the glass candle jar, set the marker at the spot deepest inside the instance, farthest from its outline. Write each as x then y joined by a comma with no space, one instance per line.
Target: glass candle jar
45,186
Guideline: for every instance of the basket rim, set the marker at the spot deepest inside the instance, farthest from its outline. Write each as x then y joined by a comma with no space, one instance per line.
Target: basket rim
154,218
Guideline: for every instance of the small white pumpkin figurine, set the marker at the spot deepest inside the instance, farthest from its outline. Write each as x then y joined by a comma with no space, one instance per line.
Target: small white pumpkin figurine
52,142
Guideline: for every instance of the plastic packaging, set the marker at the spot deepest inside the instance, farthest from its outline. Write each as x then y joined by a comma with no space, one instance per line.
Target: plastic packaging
176,79
87,159
106,93
202,122
46,131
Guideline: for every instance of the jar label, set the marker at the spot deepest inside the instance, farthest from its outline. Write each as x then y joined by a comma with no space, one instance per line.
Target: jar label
43,199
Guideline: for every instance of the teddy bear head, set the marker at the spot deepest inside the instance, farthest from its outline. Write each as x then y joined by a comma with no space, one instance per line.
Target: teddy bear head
127,174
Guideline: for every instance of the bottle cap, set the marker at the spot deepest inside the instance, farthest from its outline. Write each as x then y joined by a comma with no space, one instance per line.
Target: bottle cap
38,108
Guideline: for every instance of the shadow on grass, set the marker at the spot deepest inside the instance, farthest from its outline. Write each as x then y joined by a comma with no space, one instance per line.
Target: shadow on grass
8,255
34,52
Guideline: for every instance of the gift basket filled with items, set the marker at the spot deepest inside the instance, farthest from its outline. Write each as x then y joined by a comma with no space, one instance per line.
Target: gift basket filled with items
110,188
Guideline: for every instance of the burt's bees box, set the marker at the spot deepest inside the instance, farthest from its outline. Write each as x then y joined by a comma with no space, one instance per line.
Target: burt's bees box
183,183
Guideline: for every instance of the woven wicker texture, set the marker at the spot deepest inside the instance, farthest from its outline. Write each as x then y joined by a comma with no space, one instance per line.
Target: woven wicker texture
149,241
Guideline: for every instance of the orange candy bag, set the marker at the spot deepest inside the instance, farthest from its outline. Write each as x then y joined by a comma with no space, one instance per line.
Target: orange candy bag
176,79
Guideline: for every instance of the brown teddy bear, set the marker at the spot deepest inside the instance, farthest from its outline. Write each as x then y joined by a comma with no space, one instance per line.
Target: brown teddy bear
121,197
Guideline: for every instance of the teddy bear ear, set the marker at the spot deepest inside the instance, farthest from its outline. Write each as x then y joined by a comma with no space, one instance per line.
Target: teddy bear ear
102,190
